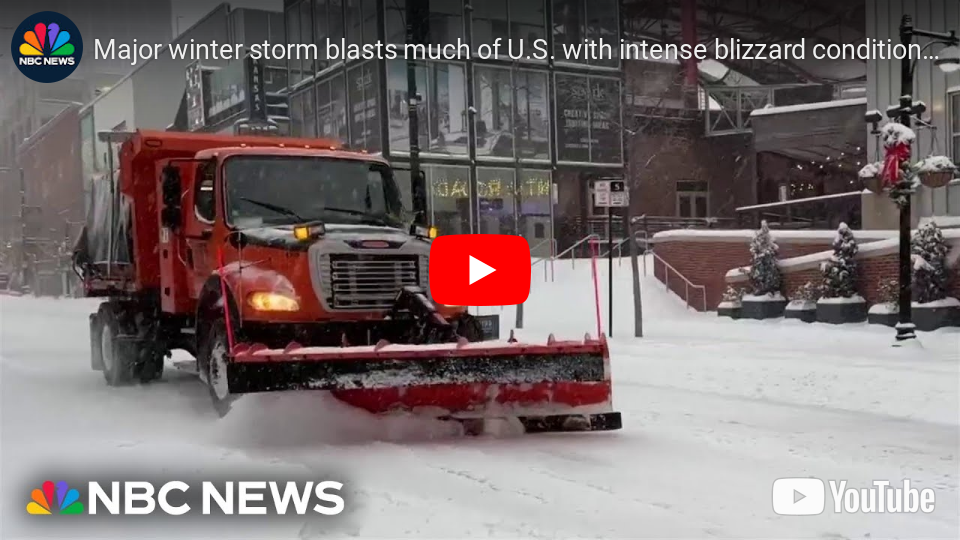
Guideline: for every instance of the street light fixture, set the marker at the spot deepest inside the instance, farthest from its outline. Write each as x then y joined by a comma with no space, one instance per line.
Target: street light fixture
948,61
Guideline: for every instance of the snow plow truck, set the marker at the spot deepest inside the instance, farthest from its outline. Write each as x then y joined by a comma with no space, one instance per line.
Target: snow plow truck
291,264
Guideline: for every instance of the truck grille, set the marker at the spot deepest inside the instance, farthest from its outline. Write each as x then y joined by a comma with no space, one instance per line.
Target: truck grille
370,282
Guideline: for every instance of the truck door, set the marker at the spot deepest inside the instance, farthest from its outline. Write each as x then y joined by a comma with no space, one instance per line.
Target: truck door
199,218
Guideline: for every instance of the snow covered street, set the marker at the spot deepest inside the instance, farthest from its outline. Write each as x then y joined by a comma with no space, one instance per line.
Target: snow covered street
714,411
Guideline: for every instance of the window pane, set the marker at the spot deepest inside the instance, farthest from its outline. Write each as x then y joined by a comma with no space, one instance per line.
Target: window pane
296,115
332,109
490,21
955,113
306,36
604,121
602,24
495,198
446,21
447,106
449,198
369,13
354,22
309,114
572,104
396,22
568,26
335,20
397,105
684,206
701,204
293,36
364,127
527,21
533,115
533,199
956,148
494,96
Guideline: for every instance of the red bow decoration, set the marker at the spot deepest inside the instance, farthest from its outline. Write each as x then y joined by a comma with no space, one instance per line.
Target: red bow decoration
895,155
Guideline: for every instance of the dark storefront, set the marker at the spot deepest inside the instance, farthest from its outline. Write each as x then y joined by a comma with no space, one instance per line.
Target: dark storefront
542,129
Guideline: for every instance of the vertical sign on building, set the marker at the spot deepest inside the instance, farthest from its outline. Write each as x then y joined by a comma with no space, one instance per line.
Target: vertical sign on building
195,113
256,92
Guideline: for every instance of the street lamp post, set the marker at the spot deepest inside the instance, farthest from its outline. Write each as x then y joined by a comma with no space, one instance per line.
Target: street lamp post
901,193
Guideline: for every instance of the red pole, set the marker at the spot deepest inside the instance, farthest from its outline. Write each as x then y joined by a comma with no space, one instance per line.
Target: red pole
596,286
226,299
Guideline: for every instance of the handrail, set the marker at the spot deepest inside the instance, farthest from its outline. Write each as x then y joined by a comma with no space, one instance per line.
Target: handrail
687,283
575,245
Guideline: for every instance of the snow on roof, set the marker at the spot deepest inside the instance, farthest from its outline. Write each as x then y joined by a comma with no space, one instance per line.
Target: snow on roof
809,106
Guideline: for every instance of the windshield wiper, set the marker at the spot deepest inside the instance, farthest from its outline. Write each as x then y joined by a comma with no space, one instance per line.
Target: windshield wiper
368,218
276,208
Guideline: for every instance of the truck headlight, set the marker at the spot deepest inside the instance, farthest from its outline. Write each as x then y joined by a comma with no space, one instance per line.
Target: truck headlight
268,301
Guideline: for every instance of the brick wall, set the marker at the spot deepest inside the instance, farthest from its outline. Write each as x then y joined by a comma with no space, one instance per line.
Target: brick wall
705,258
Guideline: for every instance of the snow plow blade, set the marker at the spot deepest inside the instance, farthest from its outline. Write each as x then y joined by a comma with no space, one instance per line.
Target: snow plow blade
560,386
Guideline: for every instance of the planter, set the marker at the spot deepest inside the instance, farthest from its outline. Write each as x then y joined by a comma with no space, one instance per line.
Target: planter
762,307
935,179
842,310
885,314
729,309
874,184
939,314
803,310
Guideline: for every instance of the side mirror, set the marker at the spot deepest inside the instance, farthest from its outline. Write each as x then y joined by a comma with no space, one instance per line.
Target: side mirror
171,215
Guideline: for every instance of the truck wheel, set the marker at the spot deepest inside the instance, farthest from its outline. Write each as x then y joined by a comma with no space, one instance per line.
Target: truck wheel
469,327
119,360
96,349
213,362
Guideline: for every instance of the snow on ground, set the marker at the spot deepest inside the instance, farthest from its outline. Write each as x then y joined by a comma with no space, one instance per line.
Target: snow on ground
714,410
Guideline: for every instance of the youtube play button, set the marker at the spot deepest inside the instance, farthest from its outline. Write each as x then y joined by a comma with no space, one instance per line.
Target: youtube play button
480,270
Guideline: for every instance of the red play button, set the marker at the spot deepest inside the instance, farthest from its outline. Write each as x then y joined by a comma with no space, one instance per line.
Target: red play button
480,270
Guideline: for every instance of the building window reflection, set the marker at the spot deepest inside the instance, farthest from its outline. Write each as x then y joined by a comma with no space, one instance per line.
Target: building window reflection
507,19
445,21
588,112
449,198
512,104
363,82
577,20
328,18
442,113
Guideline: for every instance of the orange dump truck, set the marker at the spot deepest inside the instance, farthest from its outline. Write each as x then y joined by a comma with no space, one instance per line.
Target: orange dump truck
291,264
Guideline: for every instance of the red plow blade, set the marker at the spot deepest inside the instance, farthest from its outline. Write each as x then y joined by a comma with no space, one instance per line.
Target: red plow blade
559,386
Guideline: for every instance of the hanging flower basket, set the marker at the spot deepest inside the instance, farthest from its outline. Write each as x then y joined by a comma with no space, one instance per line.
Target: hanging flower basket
870,176
936,171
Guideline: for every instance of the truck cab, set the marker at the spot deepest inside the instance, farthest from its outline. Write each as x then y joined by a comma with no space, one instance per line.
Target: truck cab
309,245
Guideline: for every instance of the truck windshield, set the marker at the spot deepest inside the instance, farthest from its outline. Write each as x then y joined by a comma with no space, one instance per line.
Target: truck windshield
268,190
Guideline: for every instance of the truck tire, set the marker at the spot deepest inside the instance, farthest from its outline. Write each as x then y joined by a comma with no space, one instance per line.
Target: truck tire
96,349
119,358
212,360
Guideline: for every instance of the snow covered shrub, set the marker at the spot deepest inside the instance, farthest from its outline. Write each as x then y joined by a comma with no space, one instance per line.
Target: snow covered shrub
808,292
840,272
764,272
930,274
732,295
889,292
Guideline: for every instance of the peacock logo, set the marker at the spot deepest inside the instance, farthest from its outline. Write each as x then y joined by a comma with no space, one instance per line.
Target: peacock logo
47,38
67,500
47,47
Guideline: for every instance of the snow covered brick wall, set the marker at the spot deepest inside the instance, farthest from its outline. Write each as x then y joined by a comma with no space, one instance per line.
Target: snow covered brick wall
712,258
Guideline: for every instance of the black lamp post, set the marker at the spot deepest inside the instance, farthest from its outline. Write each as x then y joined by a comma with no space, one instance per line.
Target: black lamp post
901,193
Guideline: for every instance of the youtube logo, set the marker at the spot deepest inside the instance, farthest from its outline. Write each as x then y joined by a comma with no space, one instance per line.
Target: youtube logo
480,270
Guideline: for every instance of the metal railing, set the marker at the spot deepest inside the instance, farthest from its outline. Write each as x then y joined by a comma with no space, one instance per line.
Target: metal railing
687,284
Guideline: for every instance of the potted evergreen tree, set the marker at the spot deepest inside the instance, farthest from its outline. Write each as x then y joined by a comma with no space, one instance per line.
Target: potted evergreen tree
730,303
766,301
887,310
840,302
803,303
932,308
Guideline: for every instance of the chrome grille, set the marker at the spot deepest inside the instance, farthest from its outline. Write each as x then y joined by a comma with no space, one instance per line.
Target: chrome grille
370,281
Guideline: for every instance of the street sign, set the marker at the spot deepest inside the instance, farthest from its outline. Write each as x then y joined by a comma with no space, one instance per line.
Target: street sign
611,194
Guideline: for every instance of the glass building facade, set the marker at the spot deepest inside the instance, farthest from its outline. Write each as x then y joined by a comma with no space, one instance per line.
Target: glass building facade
541,129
